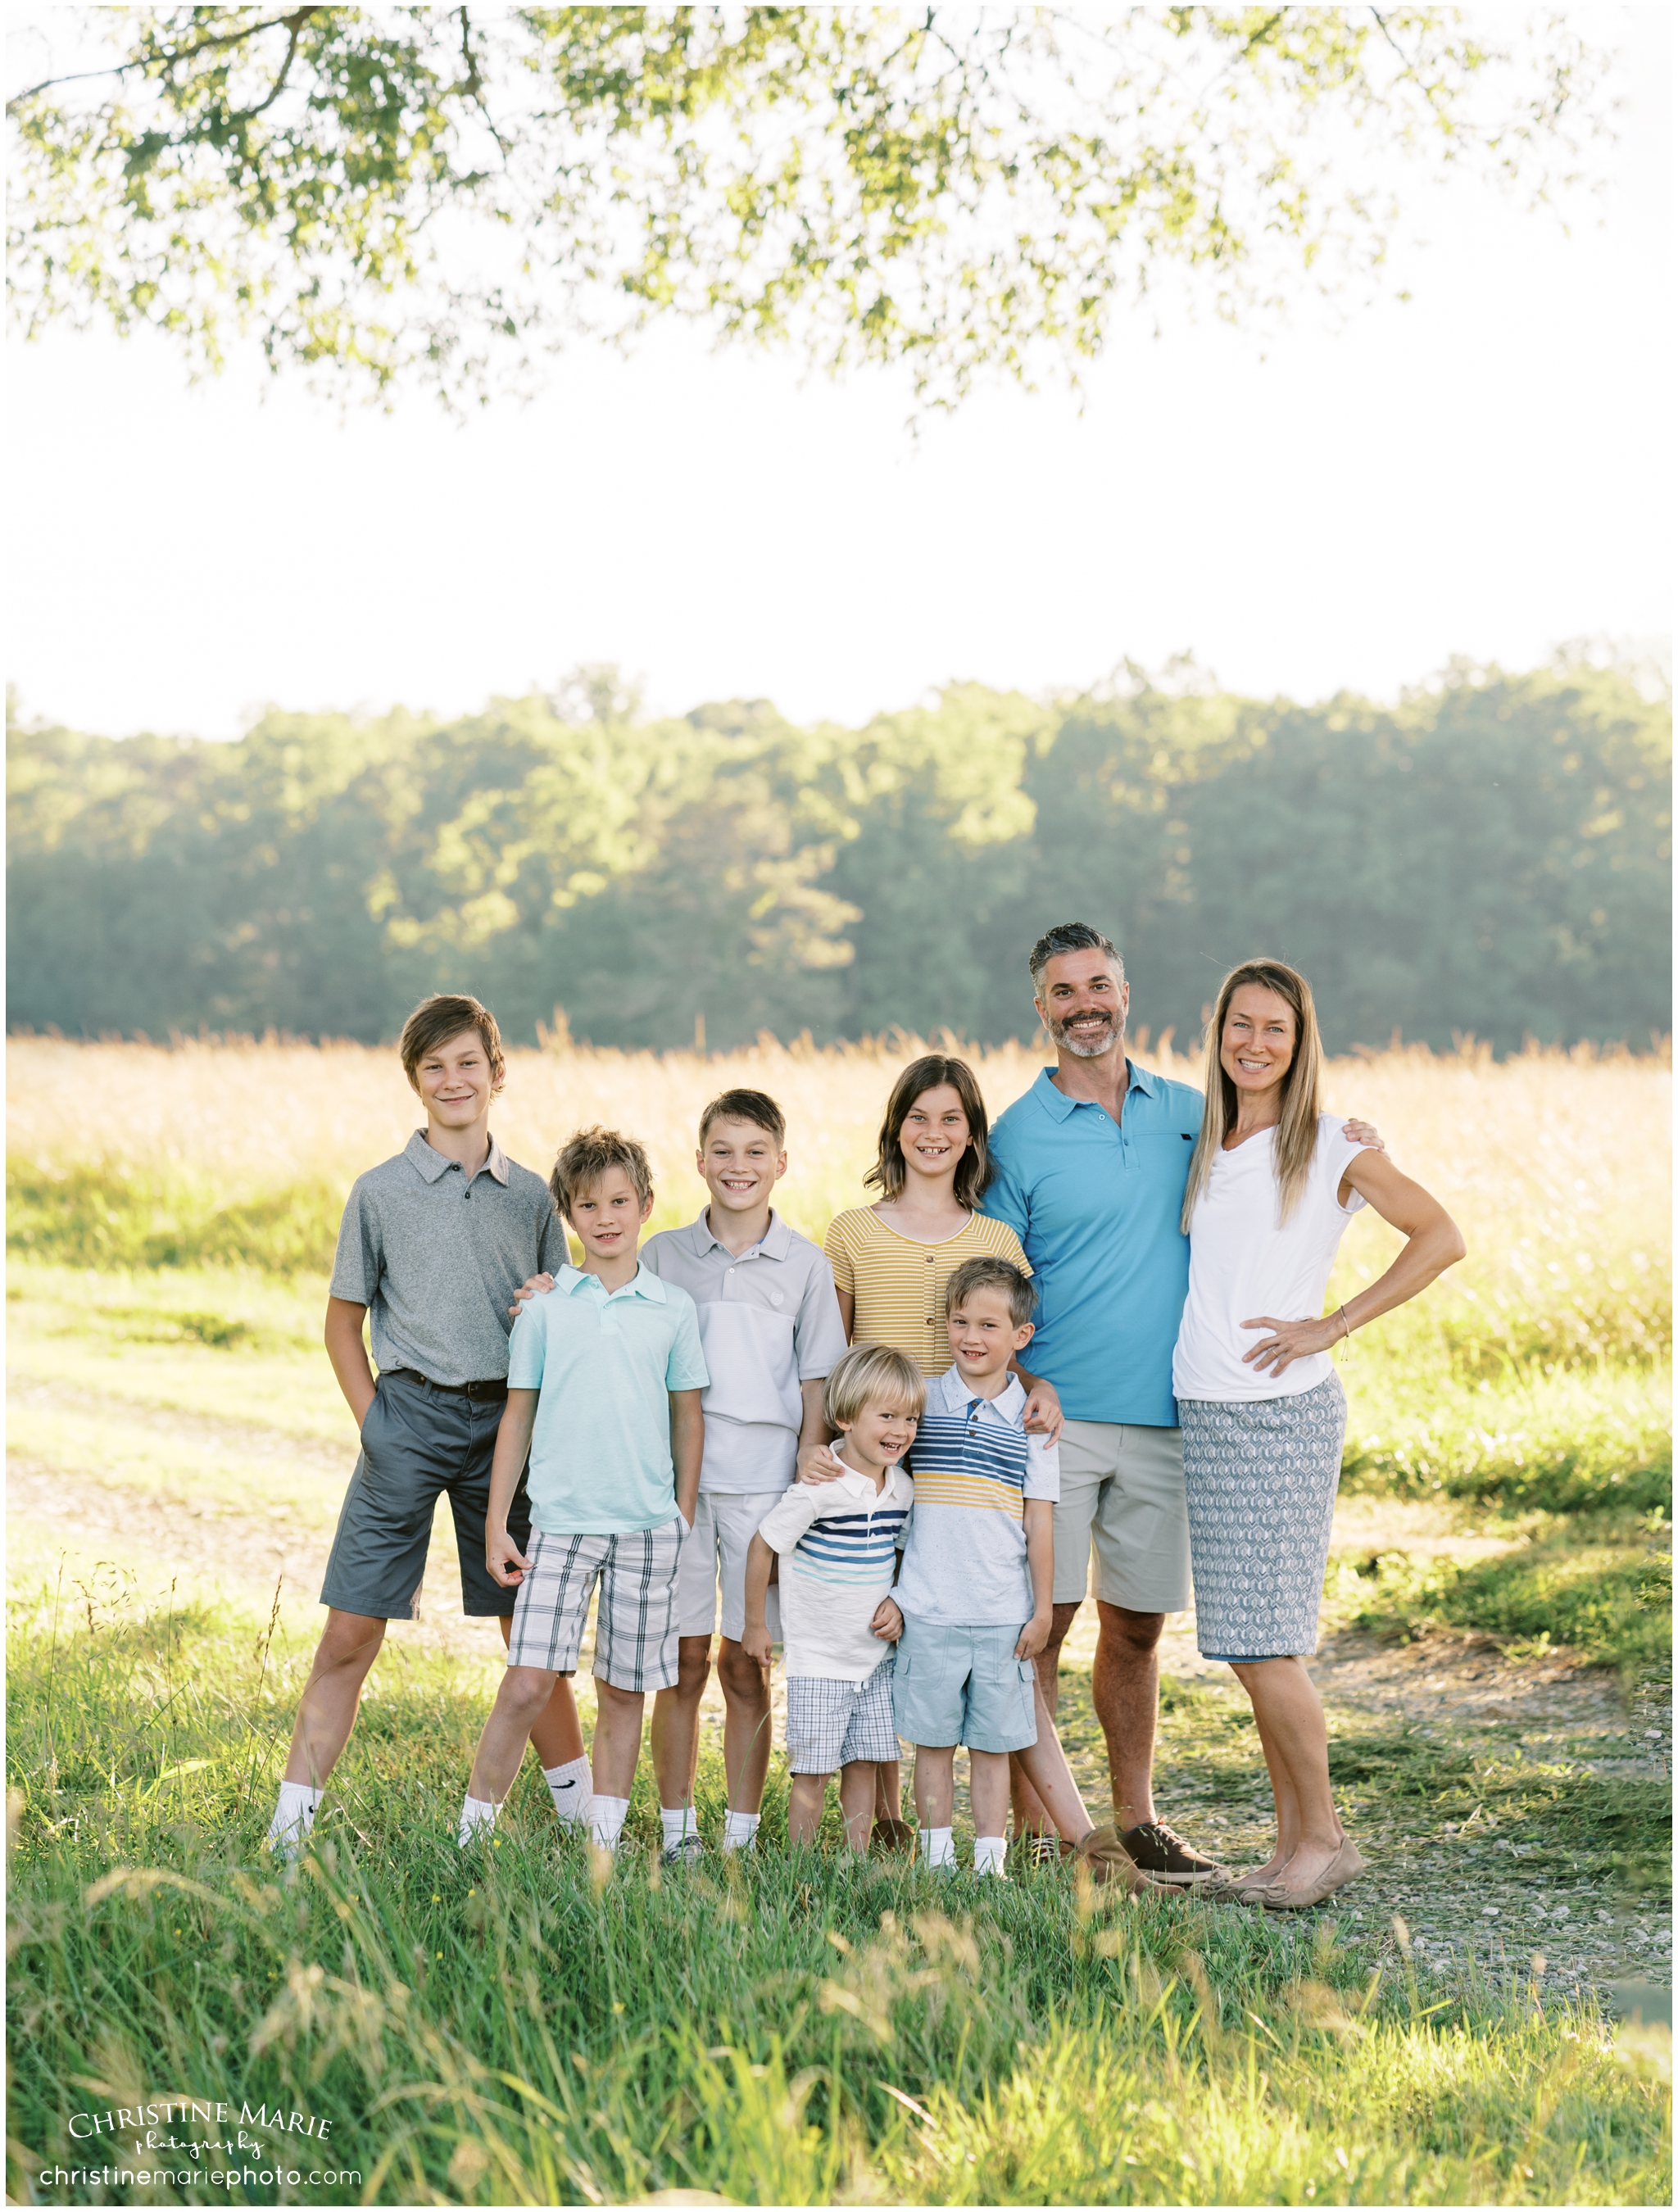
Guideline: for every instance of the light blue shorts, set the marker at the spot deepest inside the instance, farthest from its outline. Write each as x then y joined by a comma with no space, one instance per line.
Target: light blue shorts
965,1686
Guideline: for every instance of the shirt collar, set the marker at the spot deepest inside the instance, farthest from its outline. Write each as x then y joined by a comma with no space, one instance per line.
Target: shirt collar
432,1164
775,1243
895,1488
1049,1094
954,1396
643,1283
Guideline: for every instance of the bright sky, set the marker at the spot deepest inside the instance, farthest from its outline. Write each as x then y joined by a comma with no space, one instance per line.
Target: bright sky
1485,471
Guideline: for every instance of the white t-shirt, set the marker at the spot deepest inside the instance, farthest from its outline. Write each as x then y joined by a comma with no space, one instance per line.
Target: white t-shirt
1243,1263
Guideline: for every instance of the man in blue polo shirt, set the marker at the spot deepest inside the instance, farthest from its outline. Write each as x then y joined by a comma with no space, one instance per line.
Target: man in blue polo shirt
1089,1167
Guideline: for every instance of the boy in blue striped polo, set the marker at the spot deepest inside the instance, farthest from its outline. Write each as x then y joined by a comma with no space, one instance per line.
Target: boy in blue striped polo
837,1542
974,1592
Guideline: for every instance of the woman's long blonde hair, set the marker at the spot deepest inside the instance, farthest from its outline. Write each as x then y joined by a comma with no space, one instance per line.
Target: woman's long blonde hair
1302,1088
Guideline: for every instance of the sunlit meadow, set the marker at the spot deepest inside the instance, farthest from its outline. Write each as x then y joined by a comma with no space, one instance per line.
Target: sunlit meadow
511,2028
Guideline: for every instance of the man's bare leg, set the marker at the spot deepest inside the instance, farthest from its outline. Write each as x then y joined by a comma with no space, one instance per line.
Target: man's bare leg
556,1733
1031,1815
1127,1701
326,1711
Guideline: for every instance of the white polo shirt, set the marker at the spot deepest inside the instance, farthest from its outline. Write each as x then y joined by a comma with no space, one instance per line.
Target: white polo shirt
769,1321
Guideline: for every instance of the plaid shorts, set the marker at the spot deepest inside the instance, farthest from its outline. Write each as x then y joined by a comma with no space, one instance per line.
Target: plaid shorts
830,1724
635,1636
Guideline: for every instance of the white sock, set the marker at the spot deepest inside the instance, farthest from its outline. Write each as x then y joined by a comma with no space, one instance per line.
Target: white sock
606,1816
938,1847
679,1821
294,1816
988,1853
571,1790
740,1830
476,1812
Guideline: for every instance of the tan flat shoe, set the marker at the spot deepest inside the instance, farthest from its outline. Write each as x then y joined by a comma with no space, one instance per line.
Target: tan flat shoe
1348,1863
1108,1861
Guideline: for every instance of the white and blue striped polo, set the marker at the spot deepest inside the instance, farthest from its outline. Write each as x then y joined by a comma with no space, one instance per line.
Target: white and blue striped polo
837,1542
974,1467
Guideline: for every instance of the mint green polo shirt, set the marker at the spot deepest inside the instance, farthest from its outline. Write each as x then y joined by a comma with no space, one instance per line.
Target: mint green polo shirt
1096,1204
605,1363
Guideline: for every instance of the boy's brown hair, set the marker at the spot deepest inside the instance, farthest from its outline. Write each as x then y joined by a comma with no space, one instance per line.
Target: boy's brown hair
444,1015
755,1106
589,1156
989,1273
868,1371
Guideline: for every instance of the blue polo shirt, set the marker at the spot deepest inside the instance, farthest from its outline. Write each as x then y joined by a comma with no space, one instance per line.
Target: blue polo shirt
604,1363
1096,1203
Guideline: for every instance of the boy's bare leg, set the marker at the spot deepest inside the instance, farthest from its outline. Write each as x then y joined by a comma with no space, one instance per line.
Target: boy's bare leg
555,1735
618,1716
326,1711
745,1729
935,1784
804,1805
1045,1768
889,1790
1031,1814
521,1699
676,1723
989,1786
857,1787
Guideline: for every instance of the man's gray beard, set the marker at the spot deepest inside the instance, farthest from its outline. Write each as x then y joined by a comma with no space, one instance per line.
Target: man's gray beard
1084,1048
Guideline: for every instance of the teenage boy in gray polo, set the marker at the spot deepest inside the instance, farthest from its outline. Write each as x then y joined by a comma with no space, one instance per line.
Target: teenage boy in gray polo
431,1246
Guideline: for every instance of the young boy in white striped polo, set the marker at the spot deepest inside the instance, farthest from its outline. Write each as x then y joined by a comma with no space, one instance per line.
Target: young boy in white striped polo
837,1542
605,1374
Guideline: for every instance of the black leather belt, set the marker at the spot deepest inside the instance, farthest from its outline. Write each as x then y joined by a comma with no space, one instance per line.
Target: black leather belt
495,1388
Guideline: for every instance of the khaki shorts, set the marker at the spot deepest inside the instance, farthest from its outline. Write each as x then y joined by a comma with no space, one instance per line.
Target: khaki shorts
1122,1488
724,1525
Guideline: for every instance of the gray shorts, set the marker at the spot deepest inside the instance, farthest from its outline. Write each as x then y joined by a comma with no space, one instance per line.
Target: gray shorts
724,1525
831,1724
418,1441
965,1685
1121,1489
636,1639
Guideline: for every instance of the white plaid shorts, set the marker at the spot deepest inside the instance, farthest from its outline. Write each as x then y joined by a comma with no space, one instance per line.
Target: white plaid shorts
829,1724
635,1636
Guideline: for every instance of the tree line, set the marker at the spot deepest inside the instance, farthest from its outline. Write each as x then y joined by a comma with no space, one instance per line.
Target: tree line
1491,856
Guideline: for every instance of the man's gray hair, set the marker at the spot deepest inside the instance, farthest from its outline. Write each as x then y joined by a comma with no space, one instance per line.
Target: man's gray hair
1072,937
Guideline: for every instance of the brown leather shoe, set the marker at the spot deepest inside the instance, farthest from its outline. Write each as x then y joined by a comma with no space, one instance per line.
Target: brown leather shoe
1167,1858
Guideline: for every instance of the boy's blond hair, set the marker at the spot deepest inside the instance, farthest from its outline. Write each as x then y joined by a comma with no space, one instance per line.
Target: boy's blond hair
868,1372
990,1273
589,1156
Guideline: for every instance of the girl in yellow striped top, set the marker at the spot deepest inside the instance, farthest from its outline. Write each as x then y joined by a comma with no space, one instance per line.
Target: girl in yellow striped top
892,1261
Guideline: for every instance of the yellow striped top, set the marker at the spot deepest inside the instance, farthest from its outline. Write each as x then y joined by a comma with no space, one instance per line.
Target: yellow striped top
898,1283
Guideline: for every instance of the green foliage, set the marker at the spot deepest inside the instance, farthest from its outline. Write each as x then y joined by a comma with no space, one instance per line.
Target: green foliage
98,1216
1492,857
499,2027
1605,1593
377,192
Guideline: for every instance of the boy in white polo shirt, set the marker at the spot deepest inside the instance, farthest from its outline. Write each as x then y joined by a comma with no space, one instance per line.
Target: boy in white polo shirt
837,1542
603,1381
771,1327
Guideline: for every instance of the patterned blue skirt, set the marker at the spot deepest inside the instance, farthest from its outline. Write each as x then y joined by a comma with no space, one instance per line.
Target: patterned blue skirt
1262,1476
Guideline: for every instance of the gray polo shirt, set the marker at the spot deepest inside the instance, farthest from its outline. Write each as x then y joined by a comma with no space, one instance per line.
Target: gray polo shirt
435,1258
768,1320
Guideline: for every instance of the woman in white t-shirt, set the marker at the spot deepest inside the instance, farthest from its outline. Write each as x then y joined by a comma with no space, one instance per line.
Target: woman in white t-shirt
1272,1184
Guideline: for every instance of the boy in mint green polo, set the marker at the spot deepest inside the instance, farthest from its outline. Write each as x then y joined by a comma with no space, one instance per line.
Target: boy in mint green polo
603,1381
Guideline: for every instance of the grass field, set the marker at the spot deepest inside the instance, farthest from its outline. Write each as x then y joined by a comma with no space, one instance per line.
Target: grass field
508,2028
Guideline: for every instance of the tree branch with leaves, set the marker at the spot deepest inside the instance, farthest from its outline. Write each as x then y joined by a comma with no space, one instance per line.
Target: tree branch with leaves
408,193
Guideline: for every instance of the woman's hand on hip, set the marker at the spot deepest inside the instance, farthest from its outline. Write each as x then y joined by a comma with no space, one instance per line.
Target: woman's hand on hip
1290,1340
